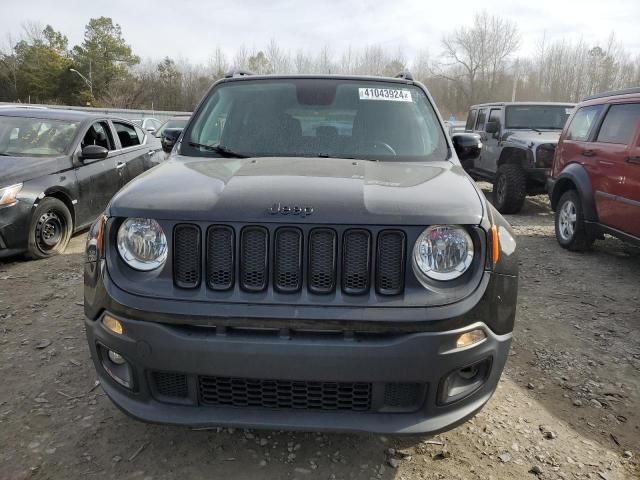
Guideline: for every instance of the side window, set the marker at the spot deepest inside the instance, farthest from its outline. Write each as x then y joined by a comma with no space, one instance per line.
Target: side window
482,119
494,115
98,134
471,120
582,123
127,134
141,135
620,124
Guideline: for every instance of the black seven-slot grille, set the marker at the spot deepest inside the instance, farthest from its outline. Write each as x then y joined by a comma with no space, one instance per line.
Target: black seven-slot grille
279,257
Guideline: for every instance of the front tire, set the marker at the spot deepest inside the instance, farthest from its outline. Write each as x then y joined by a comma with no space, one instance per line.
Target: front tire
50,229
571,232
509,188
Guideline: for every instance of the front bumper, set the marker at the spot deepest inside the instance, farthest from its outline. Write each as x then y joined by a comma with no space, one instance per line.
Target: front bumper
384,348
537,180
418,360
14,227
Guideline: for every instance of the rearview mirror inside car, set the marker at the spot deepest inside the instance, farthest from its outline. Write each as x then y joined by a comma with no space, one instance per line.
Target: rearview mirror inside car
93,152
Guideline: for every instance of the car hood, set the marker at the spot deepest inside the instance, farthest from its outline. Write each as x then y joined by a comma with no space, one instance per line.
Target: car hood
333,191
529,138
20,169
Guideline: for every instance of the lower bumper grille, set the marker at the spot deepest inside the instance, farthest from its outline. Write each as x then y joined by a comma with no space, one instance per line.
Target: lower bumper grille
169,387
245,392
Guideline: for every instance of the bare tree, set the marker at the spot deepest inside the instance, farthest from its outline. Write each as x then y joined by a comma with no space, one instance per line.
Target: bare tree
481,52
218,63
241,58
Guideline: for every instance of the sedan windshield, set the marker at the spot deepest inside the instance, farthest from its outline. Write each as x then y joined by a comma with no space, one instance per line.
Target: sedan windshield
542,117
35,137
310,117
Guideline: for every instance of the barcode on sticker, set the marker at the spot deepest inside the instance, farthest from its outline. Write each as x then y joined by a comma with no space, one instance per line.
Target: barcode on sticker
388,94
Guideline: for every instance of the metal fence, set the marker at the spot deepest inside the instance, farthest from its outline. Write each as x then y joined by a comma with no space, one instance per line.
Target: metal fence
119,112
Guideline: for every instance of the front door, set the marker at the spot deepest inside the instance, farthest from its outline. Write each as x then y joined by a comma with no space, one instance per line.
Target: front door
98,180
490,142
615,184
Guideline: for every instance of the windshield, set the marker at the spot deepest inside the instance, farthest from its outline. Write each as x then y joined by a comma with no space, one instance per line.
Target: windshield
317,118
172,123
35,137
548,117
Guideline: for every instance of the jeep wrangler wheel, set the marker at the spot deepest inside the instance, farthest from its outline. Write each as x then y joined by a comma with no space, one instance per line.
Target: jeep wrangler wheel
509,189
50,229
569,222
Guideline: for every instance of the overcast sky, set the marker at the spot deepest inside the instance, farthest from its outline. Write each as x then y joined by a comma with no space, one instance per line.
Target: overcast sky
191,29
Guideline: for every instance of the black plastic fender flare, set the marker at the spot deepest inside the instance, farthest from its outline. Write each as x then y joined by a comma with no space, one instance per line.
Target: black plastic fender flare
575,176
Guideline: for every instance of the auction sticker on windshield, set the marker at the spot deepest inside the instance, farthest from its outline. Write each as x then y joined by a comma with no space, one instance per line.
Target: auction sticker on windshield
388,94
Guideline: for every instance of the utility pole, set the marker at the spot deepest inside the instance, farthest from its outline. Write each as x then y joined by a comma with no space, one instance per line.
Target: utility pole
86,80
515,80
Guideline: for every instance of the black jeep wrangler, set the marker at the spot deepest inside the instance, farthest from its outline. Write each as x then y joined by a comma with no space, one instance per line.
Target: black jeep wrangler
312,256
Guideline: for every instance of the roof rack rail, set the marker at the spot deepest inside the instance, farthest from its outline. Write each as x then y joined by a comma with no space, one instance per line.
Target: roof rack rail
613,93
406,75
238,73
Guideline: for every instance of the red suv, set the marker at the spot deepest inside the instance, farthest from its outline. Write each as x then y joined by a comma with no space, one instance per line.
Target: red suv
595,179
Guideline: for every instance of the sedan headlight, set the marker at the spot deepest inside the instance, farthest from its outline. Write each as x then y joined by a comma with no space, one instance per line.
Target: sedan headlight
8,195
142,244
443,252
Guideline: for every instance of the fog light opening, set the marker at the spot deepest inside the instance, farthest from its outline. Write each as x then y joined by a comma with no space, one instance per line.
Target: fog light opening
116,366
470,338
463,382
112,324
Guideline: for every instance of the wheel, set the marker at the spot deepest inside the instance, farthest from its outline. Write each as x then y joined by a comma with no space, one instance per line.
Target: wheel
569,221
50,229
509,188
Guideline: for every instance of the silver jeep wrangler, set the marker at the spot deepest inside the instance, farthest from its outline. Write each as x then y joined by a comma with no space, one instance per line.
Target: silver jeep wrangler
519,141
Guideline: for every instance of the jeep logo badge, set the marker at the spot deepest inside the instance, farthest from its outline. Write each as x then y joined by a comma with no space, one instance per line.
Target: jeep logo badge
278,208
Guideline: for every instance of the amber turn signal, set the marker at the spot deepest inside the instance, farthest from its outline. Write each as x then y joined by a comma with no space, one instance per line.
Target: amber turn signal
470,338
112,324
495,244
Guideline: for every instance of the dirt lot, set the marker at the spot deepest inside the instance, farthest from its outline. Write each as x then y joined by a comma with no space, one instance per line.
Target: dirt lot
567,407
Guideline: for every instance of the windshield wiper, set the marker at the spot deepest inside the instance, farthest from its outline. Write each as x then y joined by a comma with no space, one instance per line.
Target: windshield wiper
221,149
328,155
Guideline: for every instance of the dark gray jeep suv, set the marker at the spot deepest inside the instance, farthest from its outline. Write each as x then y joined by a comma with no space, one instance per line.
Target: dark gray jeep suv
312,256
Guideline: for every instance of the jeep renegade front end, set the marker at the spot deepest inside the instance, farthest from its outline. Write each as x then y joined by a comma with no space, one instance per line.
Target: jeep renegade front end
312,256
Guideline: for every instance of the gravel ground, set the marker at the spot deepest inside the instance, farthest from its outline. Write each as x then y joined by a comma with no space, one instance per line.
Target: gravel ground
567,406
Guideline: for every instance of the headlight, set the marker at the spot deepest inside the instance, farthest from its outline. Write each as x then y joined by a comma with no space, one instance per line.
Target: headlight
443,252
142,244
544,155
8,195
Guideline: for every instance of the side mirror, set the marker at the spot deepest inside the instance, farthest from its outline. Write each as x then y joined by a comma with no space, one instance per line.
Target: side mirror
169,138
93,152
467,145
492,127
151,130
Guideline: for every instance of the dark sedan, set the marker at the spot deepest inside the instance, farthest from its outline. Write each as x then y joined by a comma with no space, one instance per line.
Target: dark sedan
58,171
